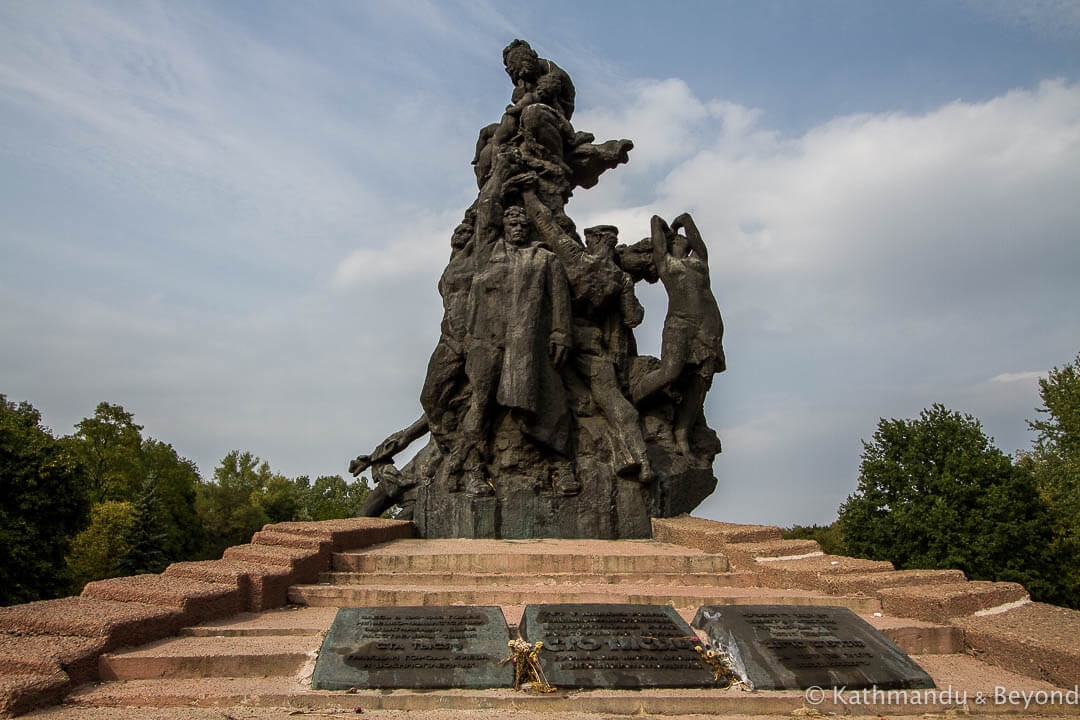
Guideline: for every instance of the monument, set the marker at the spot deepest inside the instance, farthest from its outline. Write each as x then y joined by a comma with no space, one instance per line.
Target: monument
542,419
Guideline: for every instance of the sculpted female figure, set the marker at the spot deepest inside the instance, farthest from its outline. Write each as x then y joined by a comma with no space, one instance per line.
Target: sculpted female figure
692,350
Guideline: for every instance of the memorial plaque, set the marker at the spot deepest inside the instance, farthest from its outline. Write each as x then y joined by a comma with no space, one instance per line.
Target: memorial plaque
615,646
415,647
791,647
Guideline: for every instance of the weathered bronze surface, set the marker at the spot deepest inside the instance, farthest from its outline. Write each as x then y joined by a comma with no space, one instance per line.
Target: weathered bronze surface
543,419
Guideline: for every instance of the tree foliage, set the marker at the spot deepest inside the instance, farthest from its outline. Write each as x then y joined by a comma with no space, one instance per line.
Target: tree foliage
330,497
107,501
1054,461
935,493
43,503
147,537
232,506
1055,457
827,536
120,462
96,551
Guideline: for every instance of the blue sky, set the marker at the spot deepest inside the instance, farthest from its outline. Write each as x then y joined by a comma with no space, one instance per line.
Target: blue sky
230,217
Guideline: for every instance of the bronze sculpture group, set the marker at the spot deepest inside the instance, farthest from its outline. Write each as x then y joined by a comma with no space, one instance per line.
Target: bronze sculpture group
543,419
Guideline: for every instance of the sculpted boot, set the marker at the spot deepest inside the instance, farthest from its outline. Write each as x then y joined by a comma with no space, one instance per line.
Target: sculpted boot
476,485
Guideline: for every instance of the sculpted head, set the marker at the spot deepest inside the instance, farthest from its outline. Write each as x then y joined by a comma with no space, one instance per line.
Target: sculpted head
463,232
521,61
602,239
516,226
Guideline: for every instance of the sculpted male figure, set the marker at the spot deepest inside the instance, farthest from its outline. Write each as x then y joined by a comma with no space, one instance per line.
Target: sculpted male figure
605,310
519,327
446,368
692,350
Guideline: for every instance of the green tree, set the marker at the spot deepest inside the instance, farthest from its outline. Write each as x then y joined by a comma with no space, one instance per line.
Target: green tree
1054,461
331,497
176,480
120,461
96,551
147,537
108,444
1055,457
936,493
233,506
828,537
43,503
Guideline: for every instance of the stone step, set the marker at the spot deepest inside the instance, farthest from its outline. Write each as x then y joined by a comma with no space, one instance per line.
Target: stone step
288,620
211,657
947,602
540,563
434,579
680,597
118,623
529,556
709,535
918,637
48,654
777,549
196,600
262,586
939,603
958,673
813,573
22,693
1035,639
870,583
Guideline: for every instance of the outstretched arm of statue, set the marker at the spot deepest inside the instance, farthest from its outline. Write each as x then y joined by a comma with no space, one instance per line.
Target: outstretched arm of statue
693,236
660,233
391,446
568,251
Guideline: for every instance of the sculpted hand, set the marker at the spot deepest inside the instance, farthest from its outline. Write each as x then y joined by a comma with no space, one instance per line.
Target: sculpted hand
523,181
558,354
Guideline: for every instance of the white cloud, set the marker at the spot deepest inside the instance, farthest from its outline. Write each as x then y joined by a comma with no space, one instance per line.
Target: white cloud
1013,377
236,231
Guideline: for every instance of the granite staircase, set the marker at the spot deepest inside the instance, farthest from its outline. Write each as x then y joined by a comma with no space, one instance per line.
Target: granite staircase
219,634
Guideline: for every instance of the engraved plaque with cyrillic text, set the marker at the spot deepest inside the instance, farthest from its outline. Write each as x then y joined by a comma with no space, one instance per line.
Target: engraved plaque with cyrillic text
615,646
778,647
415,647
